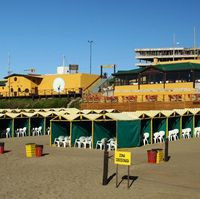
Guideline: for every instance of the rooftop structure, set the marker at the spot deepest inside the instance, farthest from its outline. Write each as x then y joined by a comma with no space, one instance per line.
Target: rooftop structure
150,56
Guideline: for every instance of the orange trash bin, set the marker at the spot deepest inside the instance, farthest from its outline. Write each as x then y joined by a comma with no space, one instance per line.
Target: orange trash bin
151,155
38,150
1,147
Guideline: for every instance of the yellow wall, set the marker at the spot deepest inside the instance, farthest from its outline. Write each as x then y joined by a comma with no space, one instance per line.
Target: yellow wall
18,85
162,93
72,82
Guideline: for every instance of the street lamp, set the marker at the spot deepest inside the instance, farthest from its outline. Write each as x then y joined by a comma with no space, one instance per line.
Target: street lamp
90,42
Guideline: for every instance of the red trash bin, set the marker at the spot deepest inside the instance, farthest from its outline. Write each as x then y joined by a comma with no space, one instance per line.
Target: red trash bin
38,150
151,154
1,147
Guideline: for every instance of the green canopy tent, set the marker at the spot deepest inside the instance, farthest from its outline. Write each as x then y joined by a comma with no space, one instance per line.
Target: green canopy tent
60,126
104,127
197,119
48,116
145,121
145,127
174,122
127,129
20,121
159,124
5,122
188,121
37,120
81,126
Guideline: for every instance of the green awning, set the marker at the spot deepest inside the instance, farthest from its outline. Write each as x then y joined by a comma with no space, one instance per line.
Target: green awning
178,66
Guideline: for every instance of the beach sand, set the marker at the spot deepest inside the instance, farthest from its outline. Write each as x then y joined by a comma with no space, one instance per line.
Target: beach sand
77,173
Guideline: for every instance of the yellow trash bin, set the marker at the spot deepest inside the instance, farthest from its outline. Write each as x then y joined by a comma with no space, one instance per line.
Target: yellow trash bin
30,150
159,156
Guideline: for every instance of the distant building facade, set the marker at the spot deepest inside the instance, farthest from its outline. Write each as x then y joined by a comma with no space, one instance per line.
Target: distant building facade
152,56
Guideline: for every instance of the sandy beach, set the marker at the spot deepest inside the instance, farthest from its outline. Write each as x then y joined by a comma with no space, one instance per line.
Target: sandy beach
77,173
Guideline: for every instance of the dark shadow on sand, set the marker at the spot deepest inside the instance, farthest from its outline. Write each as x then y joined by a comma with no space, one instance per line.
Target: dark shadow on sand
132,179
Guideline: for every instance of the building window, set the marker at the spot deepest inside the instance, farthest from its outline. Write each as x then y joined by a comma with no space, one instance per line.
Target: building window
26,90
19,89
15,79
11,89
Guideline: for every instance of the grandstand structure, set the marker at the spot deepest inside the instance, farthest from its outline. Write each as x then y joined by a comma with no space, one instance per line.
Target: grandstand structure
153,56
166,78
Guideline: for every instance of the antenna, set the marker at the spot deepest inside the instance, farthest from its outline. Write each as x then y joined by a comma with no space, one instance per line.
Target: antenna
194,44
63,60
194,37
174,44
9,71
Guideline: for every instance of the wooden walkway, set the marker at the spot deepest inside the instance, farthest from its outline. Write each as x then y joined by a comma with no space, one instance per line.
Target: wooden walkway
137,106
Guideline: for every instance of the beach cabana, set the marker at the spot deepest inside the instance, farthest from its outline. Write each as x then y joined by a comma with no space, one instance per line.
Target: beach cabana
158,123
128,130
6,122
145,120
173,121
81,126
145,125
188,121
104,126
48,116
37,120
196,113
20,120
60,126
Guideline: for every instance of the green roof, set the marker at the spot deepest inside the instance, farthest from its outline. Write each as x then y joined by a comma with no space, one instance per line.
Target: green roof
178,66
161,67
128,72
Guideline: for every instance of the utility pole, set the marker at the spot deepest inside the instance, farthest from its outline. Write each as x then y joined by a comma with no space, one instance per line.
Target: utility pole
194,44
9,72
174,44
90,42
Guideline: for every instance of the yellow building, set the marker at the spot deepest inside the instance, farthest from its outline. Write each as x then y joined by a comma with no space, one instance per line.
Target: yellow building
164,82
43,85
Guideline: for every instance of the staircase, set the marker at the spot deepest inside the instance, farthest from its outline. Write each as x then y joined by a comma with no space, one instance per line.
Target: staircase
95,88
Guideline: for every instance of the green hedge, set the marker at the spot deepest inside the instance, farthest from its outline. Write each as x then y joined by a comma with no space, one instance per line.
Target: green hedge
37,103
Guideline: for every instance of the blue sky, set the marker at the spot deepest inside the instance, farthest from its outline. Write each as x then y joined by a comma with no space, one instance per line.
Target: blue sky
38,32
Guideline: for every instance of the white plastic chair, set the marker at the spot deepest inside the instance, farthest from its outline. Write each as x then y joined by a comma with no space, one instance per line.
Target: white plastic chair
48,130
145,138
156,137
59,140
188,133
66,141
17,132
161,136
79,141
184,133
197,131
171,135
33,132
8,133
39,130
175,136
100,143
87,141
111,145
23,131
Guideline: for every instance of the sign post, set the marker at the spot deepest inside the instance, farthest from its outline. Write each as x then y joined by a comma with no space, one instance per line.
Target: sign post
105,164
166,157
122,158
